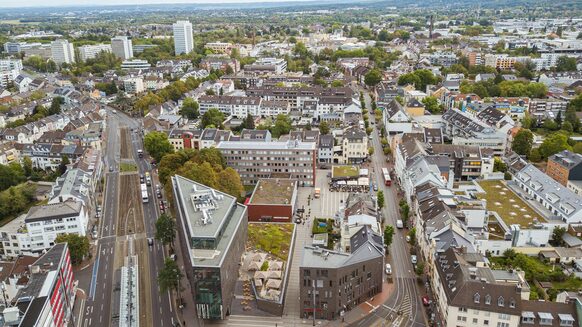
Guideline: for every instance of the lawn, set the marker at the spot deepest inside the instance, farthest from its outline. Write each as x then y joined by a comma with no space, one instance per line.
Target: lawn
127,167
511,208
273,238
345,172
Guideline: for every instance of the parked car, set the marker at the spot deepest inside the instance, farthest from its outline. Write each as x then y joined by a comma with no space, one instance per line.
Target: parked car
426,301
375,188
388,269
413,259
150,241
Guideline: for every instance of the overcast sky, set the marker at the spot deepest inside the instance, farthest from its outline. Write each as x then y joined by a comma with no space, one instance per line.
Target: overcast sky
45,3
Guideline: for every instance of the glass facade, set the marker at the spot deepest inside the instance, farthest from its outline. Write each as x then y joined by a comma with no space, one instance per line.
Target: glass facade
208,296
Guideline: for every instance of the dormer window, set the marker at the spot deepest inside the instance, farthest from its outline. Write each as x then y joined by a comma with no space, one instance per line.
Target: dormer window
512,303
476,298
500,301
488,299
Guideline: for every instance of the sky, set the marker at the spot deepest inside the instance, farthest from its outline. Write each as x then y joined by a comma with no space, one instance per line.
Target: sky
53,3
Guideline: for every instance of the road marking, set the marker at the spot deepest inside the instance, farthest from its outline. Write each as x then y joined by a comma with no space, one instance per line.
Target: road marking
94,277
81,310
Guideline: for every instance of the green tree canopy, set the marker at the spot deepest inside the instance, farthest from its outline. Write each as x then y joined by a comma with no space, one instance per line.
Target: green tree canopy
190,109
554,143
431,104
78,246
388,234
212,117
157,145
165,229
373,77
523,142
566,64
169,276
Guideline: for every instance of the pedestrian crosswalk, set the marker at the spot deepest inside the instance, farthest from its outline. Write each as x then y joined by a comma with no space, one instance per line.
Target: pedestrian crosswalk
249,321
406,305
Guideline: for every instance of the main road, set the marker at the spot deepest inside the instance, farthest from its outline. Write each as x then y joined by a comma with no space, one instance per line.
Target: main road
403,307
101,280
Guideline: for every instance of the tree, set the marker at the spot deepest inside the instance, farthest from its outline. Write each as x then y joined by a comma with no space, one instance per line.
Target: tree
229,182
324,128
431,104
566,64
499,165
554,143
380,199
249,122
55,107
212,117
523,142
27,166
420,78
169,276
535,155
190,109
558,236
412,235
165,229
371,151
337,83
388,234
78,246
157,145
577,148
420,268
63,165
282,126
373,77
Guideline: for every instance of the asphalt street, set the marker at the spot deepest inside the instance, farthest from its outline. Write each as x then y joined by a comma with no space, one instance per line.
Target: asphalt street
100,281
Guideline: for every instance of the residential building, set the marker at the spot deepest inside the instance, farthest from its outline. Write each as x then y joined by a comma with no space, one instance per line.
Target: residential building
275,66
218,62
212,228
183,37
414,108
256,160
62,52
561,202
48,297
35,232
325,149
341,281
91,51
237,106
565,166
543,109
466,130
220,47
353,148
440,58
465,161
122,47
273,199
133,85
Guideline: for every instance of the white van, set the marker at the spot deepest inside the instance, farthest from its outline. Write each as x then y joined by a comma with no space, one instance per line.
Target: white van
399,224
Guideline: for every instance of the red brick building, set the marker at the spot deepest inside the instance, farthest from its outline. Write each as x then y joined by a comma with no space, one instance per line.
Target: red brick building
273,200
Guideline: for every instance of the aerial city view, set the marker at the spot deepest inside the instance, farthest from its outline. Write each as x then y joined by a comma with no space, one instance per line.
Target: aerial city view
266,163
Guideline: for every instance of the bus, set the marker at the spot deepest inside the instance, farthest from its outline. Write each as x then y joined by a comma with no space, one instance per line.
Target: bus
387,179
144,193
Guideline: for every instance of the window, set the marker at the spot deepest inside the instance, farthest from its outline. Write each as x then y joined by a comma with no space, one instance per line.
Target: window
462,309
486,322
475,320
504,316
502,324
488,299
476,298
461,318
500,301
512,303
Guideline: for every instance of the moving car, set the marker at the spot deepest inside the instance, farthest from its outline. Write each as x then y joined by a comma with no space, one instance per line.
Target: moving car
399,224
150,241
388,269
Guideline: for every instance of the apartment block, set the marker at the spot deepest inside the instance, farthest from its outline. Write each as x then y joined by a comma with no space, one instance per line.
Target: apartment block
212,227
332,283
267,66
133,85
237,106
36,231
257,160
91,51
62,52
183,37
565,166
121,46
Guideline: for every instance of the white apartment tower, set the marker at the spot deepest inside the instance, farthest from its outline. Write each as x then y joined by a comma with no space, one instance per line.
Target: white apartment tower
122,47
62,52
183,39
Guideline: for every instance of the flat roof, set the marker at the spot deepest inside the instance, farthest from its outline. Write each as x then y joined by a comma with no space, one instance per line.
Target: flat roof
224,216
246,145
274,191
